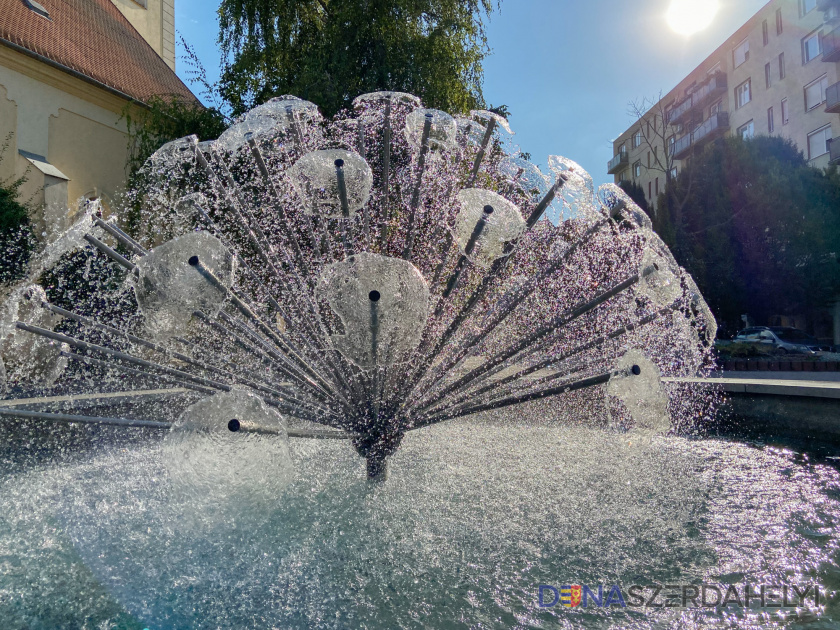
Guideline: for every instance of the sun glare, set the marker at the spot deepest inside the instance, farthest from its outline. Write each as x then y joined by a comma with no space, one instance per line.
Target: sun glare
687,17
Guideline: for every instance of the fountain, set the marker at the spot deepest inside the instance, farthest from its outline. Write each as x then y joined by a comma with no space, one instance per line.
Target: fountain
301,284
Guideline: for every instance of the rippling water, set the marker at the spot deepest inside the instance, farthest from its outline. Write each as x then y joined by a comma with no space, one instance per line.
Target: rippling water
473,518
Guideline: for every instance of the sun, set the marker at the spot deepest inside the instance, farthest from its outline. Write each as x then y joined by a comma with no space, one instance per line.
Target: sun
687,17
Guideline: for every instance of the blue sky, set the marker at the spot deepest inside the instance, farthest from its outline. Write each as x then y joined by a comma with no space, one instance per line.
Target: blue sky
566,69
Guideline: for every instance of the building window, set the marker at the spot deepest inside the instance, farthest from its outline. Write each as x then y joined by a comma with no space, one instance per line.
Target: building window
741,53
637,169
811,47
765,32
815,93
717,107
771,122
779,25
747,131
742,94
648,159
622,150
785,113
767,75
623,177
806,6
637,139
650,191
657,186
781,66
818,142
674,173
671,142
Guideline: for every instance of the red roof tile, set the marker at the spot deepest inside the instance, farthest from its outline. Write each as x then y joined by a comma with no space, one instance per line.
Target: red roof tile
93,38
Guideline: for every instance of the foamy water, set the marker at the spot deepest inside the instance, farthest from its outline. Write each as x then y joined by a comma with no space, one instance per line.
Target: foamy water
472,520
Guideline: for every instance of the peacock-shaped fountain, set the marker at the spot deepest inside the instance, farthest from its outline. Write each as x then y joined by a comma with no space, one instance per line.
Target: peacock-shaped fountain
377,273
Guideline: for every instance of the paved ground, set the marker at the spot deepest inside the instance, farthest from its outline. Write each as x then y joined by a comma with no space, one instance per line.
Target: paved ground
771,386
783,376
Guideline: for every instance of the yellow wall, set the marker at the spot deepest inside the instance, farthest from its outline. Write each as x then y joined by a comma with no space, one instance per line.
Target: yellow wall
92,154
155,21
8,125
76,126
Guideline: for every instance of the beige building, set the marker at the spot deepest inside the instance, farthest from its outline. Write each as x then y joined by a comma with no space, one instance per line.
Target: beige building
776,75
68,70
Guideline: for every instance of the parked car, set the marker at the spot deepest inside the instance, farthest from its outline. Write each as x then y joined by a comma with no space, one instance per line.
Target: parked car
783,338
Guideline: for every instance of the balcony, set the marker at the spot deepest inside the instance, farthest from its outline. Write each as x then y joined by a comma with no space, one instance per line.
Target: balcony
713,88
618,163
678,113
831,46
827,5
834,151
832,99
714,127
682,147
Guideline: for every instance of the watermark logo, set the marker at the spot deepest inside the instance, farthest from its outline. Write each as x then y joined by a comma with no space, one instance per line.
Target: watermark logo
764,596
570,595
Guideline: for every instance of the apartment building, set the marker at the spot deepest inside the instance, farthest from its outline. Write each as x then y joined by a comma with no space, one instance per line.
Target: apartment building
776,75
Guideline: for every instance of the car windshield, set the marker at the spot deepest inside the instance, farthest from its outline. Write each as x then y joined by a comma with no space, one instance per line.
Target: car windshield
792,334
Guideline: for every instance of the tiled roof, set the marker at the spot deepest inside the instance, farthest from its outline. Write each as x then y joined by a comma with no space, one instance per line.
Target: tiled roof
93,38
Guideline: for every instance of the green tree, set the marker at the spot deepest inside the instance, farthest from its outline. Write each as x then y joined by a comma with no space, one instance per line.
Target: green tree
16,238
328,51
636,193
164,118
758,229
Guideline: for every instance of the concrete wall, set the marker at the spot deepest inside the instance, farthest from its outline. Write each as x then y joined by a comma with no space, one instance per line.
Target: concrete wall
74,125
155,21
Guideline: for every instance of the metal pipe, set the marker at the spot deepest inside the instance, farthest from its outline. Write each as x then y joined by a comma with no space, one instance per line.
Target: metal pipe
592,381
549,361
311,341
485,142
415,195
235,425
296,131
540,334
246,427
360,137
110,253
118,366
243,308
84,345
345,205
520,295
542,206
495,271
121,236
63,417
468,250
386,178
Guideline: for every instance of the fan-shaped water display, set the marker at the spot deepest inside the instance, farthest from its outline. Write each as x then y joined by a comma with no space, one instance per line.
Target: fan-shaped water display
390,269
512,349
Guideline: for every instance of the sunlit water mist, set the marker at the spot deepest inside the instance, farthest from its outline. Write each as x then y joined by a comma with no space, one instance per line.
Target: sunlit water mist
475,516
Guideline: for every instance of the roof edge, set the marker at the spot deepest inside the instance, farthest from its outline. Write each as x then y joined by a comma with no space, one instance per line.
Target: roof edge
75,73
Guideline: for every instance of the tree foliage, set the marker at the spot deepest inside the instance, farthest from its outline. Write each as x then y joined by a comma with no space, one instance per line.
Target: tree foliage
16,238
636,193
329,51
759,229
